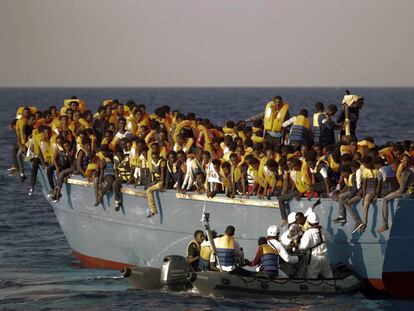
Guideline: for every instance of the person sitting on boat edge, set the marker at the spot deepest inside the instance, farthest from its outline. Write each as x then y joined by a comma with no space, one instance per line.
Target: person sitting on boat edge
406,190
350,195
273,240
157,171
193,250
300,184
123,175
314,239
227,251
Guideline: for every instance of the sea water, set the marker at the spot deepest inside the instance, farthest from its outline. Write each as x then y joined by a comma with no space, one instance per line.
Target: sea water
37,269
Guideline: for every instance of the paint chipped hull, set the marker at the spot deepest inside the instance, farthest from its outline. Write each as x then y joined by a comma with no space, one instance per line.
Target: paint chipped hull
101,237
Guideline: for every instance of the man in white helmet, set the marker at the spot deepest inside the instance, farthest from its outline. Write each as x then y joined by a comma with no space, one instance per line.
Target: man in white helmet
285,237
314,239
272,240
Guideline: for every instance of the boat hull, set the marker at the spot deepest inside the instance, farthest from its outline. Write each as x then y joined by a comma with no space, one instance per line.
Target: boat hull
103,238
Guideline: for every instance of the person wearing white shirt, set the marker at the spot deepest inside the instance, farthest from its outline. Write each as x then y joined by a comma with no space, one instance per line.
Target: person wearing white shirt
315,240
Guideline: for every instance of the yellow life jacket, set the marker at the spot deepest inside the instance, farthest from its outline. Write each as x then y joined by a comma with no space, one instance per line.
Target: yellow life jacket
257,139
257,175
332,164
42,145
19,111
107,102
188,246
236,172
205,252
367,173
241,135
302,121
123,169
81,102
316,119
273,119
269,176
229,131
348,181
181,125
90,169
85,124
298,179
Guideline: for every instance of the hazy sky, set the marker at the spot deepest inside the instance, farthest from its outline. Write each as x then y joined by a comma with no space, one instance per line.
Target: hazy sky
206,43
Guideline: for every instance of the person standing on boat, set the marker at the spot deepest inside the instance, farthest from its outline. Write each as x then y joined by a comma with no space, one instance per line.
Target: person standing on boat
349,116
328,127
314,239
318,116
276,112
300,131
228,249
157,171
193,250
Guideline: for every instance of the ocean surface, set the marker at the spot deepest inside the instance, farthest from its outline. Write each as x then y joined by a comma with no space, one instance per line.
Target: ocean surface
37,269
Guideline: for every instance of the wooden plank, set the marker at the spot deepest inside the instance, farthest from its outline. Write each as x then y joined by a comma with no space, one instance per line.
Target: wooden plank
86,183
226,200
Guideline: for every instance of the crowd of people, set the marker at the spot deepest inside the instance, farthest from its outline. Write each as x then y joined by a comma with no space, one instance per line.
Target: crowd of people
272,156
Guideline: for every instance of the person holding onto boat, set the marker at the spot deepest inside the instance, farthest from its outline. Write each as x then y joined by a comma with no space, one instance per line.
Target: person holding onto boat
300,184
350,194
314,240
193,250
41,148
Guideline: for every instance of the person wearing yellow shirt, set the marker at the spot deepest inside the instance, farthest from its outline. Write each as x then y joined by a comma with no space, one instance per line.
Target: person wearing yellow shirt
270,178
157,171
238,178
298,188
42,153
24,127
369,176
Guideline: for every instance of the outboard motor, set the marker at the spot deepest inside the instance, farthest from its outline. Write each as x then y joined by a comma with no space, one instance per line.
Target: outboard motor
174,273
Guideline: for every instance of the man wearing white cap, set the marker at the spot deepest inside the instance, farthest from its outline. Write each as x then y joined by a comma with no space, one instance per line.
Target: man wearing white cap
272,240
314,239
285,237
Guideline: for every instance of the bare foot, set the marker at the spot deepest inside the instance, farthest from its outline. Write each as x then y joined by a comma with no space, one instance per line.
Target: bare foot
382,229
